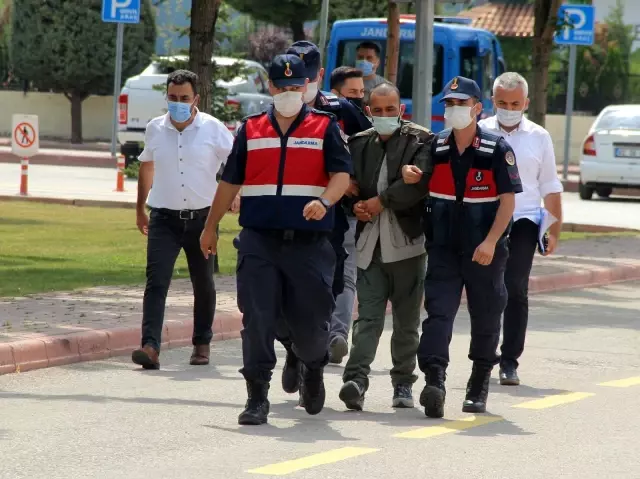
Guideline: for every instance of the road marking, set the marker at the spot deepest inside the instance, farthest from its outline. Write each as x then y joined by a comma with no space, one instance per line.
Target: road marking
448,427
555,400
622,383
328,457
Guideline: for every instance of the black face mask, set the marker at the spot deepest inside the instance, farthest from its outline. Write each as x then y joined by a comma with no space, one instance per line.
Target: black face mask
356,101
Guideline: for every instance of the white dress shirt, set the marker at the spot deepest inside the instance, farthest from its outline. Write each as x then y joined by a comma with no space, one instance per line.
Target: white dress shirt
536,162
185,163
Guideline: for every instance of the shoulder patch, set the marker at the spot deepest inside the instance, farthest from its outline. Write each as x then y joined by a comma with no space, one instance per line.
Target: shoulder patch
510,158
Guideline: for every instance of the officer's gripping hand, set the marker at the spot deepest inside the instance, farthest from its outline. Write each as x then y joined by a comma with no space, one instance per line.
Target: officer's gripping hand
353,189
552,244
359,209
484,253
314,210
411,174
208,242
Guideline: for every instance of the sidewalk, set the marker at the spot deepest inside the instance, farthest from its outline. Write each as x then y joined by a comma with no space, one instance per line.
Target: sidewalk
67,327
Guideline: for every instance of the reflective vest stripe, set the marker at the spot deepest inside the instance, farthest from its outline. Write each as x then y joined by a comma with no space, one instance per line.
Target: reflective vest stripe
441,196
262,144
287,190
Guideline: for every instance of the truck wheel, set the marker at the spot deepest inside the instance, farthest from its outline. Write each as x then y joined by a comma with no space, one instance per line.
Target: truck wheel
585,192
604,192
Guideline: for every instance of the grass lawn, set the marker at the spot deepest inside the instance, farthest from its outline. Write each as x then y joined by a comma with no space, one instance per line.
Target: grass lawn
55,248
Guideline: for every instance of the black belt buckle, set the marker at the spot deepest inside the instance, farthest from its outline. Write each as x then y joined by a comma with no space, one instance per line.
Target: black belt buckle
288,235
186,215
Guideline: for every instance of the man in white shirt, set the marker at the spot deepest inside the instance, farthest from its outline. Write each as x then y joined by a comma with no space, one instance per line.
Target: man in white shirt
533,147
183,152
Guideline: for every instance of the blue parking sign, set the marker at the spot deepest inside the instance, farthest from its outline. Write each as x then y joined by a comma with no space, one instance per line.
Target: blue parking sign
578,25
121,11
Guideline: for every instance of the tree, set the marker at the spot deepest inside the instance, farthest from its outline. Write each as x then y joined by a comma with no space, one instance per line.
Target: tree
63,46
265,44
285,13
545,25
204,15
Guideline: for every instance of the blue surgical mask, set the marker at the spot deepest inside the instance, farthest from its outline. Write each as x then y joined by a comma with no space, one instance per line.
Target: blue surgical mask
179,112
365,66
385,125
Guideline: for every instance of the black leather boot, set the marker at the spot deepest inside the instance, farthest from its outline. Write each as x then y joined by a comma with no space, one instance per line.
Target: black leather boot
477,390
313,392
433,395
291,373
256,409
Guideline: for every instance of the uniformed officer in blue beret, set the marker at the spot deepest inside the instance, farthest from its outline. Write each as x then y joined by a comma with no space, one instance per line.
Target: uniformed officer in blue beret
351,120
471,201
292,166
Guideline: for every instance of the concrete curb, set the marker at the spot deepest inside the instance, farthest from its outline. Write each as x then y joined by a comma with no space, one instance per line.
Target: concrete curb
70,202
50,351
97,159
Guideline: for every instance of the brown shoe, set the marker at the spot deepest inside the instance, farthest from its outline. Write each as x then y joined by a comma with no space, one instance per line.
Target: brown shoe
200,355
147,357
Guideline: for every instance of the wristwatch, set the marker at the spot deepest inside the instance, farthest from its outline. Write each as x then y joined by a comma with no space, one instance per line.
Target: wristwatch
325,202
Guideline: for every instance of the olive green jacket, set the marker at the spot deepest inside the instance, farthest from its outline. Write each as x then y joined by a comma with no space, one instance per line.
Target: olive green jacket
409,145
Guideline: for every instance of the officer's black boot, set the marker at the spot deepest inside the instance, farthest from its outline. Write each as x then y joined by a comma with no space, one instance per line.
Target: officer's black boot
509,374
477,389
433,395
313,393
291,373
256,409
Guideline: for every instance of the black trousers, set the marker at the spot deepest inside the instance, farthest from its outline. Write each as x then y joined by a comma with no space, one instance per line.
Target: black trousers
168,234
289,279
522,248
447,273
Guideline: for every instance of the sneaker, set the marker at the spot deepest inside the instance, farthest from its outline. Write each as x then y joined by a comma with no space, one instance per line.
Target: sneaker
433,395
509,375
352,395
475,400
338,349
402,396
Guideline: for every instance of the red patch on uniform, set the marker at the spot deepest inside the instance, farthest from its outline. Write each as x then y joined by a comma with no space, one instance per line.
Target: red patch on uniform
476,142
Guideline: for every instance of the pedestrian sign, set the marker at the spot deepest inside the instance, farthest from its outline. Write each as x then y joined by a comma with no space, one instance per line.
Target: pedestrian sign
24,139
577,25
121,11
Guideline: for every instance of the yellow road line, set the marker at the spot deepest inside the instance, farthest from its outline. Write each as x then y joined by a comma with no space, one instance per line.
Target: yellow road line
622,383
448,427
555,400
328,457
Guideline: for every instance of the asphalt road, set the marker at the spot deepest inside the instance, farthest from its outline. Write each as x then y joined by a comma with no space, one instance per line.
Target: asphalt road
110,420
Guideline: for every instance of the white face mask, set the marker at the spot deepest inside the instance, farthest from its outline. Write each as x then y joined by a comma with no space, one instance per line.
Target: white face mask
457,117
509,118
288,103
311,93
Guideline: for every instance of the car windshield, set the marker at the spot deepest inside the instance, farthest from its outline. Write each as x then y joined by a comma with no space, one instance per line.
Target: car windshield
620,119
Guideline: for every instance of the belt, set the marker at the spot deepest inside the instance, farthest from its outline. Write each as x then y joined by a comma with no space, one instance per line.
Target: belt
184,215
294,235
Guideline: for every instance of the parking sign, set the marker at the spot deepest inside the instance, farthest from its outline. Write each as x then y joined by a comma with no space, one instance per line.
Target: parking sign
578,25
121,11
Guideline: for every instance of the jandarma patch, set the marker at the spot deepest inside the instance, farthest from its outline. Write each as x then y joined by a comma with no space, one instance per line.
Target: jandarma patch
510,158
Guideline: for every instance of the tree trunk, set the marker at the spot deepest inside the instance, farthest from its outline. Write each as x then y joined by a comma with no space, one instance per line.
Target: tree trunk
546,12
76,99
393,43
297,28
204,14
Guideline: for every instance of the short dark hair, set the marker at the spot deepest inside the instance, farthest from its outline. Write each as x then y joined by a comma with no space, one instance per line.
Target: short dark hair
180,77
370,46
341,74
383,89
